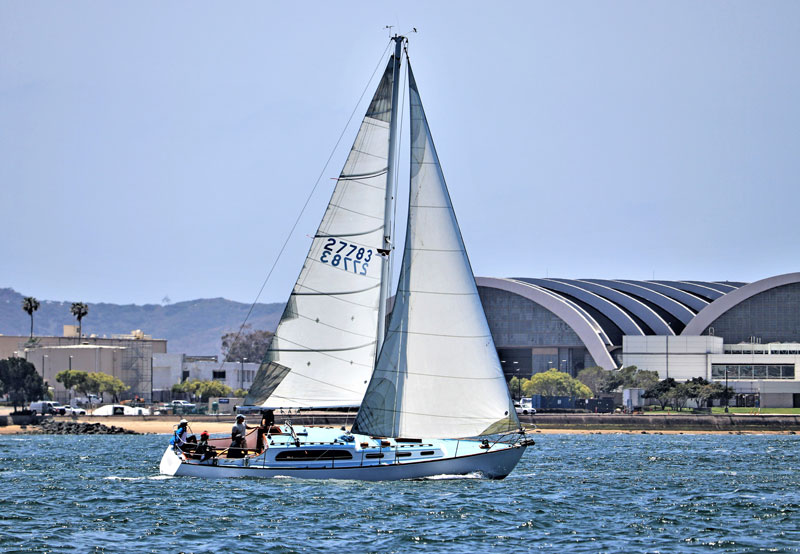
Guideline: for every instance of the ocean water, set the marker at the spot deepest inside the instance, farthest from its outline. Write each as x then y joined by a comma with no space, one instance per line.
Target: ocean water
570,493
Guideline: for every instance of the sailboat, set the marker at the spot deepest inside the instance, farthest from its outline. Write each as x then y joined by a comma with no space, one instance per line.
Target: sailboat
431,393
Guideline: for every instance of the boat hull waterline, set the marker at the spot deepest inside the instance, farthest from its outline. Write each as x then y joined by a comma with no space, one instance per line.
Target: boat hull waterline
443,457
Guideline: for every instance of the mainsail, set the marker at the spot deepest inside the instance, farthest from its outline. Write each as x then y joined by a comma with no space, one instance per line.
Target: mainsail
438,374
324,348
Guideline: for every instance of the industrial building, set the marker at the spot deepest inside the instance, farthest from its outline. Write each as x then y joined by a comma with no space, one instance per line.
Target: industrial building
682,329
128,357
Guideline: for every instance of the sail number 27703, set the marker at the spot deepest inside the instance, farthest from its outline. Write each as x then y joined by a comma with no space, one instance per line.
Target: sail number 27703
346,256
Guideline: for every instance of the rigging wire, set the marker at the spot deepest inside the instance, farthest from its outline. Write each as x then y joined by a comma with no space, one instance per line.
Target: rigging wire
308,199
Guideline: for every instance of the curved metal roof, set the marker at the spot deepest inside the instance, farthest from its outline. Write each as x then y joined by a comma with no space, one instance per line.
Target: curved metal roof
654,322
714,310
676,311
587,329
601,311
621,318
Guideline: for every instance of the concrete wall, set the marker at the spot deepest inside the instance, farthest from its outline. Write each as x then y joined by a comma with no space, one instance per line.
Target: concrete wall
680,358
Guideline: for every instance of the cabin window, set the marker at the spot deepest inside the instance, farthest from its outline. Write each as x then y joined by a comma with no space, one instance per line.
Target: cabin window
403,454
427,453
313,455
374,455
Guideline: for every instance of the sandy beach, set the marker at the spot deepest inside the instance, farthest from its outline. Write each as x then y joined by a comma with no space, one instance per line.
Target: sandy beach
223,424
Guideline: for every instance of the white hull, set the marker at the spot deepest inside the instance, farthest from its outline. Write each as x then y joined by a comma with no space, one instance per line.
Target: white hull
451,457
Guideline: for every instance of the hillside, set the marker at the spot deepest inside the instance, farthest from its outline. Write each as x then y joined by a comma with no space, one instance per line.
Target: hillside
192,327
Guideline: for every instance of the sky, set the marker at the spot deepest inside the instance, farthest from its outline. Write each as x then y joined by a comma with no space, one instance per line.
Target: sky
153,150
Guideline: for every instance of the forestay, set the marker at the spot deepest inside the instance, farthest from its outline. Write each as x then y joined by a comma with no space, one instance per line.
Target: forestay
438,374
324,348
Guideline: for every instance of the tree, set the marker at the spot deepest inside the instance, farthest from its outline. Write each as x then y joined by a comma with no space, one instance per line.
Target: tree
252,345
679,394
704,392
30,305
99,383
21,382
515,386
71,378
644,379
595,378
661,391
79,310
629,377
213,388
203,389
555,383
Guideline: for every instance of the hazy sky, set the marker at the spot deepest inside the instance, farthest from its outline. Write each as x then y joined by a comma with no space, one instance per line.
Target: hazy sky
152,149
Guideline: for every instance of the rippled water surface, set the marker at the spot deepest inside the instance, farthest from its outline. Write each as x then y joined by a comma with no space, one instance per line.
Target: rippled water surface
570,493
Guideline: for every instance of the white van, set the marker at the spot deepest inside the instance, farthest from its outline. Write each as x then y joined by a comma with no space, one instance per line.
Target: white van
44,407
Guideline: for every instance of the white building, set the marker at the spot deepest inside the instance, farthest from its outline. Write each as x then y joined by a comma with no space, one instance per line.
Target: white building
766,370
170,369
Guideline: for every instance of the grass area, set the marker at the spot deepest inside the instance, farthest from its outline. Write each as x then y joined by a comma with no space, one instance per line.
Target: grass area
787,411
731,410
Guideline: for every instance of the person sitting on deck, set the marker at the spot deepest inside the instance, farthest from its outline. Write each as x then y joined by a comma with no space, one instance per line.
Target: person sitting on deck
203,451
181,436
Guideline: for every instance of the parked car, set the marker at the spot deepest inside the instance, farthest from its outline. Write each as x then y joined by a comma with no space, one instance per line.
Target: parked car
181,405
72,410
525,406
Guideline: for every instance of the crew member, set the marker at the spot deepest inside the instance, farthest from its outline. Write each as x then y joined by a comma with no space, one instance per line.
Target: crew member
181,435
238,437
203,452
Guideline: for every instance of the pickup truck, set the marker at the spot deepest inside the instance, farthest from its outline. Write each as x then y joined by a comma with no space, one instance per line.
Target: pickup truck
181,405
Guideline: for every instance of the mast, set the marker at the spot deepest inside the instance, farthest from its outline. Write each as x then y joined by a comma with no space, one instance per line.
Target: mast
388,214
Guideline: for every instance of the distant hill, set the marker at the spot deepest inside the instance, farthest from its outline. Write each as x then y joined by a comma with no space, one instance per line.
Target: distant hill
194,327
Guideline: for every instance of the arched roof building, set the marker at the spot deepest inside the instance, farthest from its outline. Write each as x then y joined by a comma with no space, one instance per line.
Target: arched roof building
577,323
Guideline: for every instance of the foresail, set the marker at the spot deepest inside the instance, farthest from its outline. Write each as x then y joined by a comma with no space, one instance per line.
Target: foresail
324,348
438,374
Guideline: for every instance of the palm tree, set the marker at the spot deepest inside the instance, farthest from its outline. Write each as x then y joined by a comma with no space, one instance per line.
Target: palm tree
30,305
79,310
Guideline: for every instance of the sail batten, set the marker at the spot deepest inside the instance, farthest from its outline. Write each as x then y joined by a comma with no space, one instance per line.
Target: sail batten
333,308
437,374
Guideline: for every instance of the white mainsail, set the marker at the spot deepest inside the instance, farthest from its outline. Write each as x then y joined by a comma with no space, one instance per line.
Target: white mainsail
324,348
438,374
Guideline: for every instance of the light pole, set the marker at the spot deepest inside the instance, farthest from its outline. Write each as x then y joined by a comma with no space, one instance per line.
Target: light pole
519,383
726,390
70,363
565,365
241,374
44,357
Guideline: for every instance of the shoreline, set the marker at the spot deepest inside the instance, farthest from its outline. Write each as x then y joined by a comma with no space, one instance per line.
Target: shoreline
577,424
